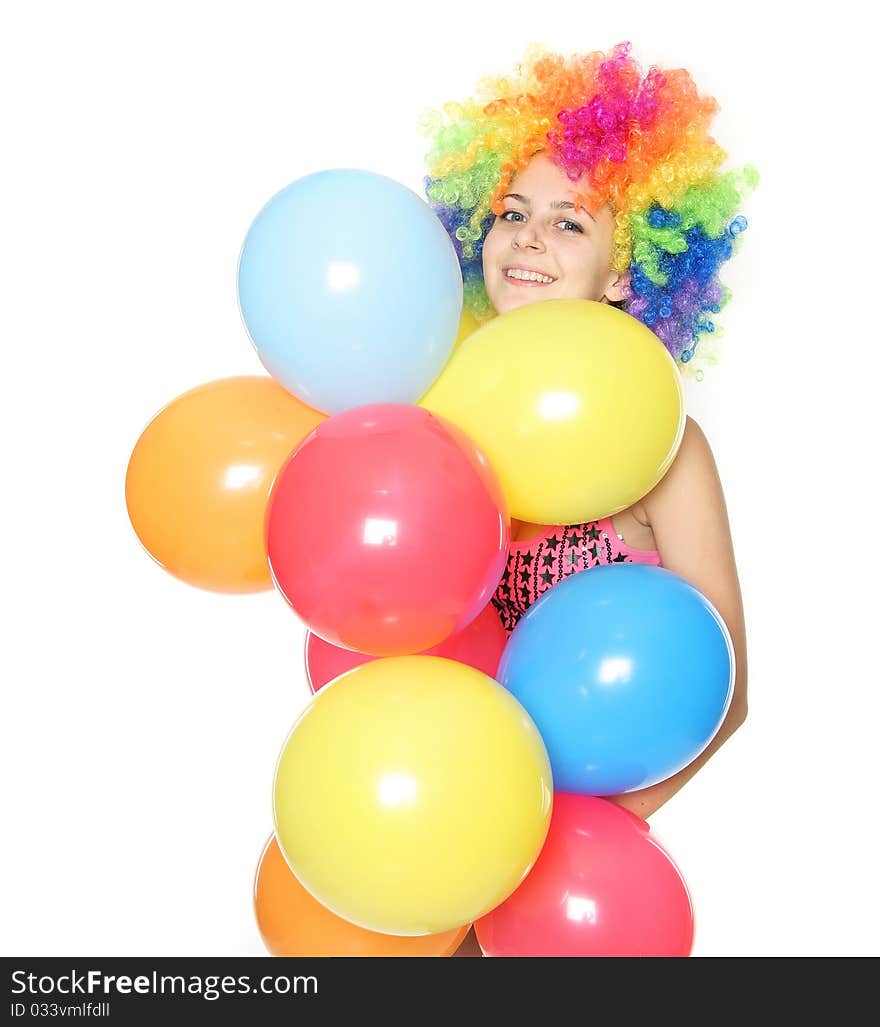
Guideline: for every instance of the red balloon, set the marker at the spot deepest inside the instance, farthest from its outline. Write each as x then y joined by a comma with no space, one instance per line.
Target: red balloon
387,530
602,886
480,645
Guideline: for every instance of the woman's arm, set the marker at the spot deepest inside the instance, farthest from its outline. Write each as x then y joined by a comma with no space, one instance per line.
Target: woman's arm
688,515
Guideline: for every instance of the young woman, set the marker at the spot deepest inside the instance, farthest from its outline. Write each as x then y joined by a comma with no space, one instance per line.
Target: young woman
585,177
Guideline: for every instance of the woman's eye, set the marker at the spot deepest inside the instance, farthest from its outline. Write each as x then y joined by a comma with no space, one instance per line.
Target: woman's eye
517,217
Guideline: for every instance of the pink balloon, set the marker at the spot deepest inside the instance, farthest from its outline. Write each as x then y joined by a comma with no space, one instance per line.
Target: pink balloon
602,886
480,645
387,530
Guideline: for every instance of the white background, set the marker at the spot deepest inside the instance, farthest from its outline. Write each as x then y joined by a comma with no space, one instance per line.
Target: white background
142,717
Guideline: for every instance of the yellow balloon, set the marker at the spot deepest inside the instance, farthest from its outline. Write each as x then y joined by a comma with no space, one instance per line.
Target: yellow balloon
467,326
412,795
577,406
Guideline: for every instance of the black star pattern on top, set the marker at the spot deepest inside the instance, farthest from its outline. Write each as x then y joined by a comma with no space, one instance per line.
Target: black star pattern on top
568,550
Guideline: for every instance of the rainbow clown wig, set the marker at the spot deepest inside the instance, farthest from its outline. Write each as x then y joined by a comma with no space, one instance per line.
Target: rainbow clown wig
637,141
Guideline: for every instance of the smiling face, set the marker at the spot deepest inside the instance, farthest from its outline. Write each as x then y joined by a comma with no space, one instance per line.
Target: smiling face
542,247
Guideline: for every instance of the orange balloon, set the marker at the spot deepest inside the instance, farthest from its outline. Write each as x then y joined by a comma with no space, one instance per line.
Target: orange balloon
199,477
293,923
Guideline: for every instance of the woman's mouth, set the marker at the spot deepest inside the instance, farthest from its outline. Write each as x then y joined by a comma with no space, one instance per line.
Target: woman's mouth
526,277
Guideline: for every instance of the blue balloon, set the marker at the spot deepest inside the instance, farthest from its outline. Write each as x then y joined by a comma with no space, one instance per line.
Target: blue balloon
627,670
350,290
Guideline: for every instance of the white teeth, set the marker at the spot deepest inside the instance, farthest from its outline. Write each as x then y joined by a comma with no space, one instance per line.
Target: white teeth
528,276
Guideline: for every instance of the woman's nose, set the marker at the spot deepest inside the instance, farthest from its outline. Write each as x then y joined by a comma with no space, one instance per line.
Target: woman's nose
528,238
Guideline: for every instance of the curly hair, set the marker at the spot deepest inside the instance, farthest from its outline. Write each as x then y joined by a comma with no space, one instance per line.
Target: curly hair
637,141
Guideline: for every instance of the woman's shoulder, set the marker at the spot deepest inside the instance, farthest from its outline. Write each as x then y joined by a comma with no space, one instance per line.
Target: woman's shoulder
694,447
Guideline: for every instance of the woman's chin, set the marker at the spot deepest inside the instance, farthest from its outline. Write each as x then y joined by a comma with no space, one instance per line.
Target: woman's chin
511,301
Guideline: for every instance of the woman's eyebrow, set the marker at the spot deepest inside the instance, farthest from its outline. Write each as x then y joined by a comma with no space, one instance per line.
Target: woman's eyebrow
555,205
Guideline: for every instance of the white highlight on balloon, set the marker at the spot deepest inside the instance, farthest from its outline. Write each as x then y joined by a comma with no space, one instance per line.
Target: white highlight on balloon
239,476
615,670
554,406
342,275
580,909
379,532
397,790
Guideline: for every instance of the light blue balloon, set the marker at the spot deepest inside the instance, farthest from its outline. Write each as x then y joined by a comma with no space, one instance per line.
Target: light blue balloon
350,290
627,670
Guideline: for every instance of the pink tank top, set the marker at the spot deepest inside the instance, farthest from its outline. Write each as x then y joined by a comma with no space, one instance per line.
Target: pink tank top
536,564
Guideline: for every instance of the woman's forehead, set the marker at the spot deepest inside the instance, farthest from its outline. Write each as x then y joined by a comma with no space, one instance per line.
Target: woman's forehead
543,176
543,183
